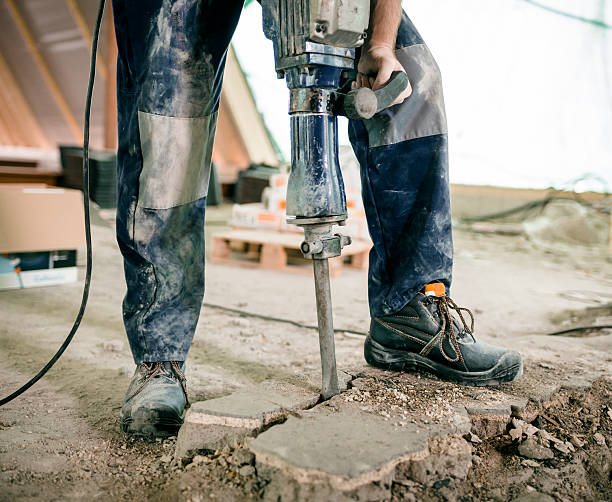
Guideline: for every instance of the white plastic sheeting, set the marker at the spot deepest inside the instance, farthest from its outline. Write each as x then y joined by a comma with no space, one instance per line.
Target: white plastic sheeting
528,91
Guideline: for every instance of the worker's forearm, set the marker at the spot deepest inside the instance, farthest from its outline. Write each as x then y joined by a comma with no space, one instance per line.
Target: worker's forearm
385,17
378,60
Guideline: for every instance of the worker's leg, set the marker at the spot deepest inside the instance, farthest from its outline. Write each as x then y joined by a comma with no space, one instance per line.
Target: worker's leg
169,74
170,69
403,156
404,165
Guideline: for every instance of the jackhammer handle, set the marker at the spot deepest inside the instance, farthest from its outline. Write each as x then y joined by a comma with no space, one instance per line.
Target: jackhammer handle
363,103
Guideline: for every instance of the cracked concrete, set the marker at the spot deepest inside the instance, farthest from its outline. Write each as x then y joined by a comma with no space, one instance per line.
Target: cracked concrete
338,451
228,420
357,444
338,454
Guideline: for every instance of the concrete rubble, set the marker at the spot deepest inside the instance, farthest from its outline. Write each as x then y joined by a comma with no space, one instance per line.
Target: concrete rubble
349,448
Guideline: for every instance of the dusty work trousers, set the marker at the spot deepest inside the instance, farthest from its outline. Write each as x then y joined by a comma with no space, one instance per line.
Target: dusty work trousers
170,70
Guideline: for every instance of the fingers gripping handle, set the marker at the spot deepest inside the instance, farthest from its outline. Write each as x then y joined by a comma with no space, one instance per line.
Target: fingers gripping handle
363,103
389,92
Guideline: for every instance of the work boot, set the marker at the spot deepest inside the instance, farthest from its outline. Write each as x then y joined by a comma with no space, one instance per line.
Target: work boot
425,336
156,400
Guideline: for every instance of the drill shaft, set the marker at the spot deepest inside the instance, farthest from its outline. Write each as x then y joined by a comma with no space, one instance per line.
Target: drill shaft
330,385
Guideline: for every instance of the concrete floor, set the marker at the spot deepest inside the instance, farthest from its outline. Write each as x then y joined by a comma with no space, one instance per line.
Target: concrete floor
517,292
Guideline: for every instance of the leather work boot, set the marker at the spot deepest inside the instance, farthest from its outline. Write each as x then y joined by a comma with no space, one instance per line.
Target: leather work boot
156,400
425,336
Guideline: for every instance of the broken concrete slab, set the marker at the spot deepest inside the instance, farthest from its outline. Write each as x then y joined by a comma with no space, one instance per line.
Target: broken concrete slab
579,383
540,392
334,452
385,429
213,424
228,420
337,451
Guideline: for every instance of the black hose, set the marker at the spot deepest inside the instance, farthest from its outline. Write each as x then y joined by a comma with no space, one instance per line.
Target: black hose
79,317
581,328
263,317
509,212
244,313
550,197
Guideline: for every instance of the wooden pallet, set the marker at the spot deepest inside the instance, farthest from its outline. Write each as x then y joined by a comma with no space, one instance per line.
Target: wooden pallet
280,251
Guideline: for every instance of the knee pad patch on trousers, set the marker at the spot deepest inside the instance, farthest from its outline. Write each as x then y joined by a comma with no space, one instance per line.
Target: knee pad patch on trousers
420,115
176,158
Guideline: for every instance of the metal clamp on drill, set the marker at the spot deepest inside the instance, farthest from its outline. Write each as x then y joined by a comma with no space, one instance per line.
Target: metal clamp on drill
314,49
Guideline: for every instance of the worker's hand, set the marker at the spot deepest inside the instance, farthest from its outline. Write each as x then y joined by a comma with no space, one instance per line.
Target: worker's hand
375,67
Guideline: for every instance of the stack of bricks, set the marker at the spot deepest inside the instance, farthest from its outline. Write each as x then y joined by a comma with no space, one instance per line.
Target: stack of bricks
270,214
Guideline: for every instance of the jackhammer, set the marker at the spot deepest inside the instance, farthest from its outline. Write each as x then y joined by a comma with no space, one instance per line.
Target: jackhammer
314,50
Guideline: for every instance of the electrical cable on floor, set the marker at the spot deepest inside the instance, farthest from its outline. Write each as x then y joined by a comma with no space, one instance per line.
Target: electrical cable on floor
263,317
244,313
581,328
79,317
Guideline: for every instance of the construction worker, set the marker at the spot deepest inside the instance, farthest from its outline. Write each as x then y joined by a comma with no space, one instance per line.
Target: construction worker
170,70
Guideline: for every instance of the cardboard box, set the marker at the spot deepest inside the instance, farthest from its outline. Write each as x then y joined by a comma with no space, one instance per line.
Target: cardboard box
40,219
26,270
40,230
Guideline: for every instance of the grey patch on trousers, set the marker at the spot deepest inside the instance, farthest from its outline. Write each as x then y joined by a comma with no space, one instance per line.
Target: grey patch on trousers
420,115
176,157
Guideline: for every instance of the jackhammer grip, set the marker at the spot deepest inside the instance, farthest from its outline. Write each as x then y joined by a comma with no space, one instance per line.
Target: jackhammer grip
389,92
360,104
363,103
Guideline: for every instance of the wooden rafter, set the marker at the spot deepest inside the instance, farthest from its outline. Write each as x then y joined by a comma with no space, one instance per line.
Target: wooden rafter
110,101
241,105
77,15
18,124
59,98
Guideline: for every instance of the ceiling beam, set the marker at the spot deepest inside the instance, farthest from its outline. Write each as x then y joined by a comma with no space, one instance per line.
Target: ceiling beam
110,98
243,108
21,128
59,98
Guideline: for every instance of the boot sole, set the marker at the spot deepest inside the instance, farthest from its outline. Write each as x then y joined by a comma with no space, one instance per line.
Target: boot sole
382,357
150,430
149,425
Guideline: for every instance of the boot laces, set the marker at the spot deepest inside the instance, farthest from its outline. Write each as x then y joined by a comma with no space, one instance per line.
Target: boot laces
445,305
150,370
